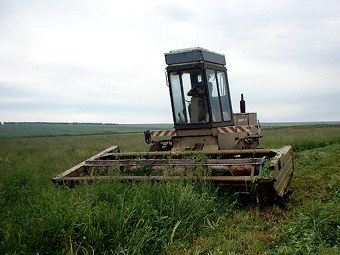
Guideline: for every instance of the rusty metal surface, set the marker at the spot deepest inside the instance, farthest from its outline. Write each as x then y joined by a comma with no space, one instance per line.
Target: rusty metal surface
234,167
181,162
251,152
227,166
216,179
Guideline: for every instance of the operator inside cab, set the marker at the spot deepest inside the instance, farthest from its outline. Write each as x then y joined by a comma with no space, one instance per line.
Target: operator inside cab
189,96
198,108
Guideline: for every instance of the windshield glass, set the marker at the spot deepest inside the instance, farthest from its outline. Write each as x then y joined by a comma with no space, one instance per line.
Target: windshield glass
218,95
189,97
224,95
214,96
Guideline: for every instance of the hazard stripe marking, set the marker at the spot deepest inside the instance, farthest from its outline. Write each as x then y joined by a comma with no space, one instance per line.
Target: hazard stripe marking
169,132
237,129
221,130
224,129
241,129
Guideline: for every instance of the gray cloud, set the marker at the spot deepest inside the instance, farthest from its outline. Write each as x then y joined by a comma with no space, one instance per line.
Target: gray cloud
90,61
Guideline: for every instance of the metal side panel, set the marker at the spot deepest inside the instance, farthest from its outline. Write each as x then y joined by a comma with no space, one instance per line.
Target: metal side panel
284,171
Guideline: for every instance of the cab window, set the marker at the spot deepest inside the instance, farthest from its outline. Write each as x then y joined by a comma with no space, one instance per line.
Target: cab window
214,96
224,95
189,97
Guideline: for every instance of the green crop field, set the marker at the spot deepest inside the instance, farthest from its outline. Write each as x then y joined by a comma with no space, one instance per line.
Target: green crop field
39,217
33,130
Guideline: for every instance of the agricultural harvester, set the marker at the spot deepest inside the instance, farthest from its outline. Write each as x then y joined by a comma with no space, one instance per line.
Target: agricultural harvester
209,142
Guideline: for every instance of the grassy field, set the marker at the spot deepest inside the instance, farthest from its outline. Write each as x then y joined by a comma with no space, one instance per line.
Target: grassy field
37,130
33,130
39,217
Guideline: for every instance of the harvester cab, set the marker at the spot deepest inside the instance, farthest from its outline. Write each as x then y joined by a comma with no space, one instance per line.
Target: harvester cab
201,106
204,123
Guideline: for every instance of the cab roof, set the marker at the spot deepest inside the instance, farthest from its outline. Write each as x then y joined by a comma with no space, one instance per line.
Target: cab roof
193,55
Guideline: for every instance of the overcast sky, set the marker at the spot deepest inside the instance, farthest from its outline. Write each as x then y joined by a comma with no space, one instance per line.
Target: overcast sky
103,61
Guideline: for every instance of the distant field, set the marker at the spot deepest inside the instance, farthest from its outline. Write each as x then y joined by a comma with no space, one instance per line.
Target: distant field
33,130
300,137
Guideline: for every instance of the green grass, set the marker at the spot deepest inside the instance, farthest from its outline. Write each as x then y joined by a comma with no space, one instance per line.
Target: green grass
301,138
37,216
106,217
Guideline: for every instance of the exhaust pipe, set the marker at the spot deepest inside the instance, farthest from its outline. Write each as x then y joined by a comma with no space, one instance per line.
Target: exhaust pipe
242,105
